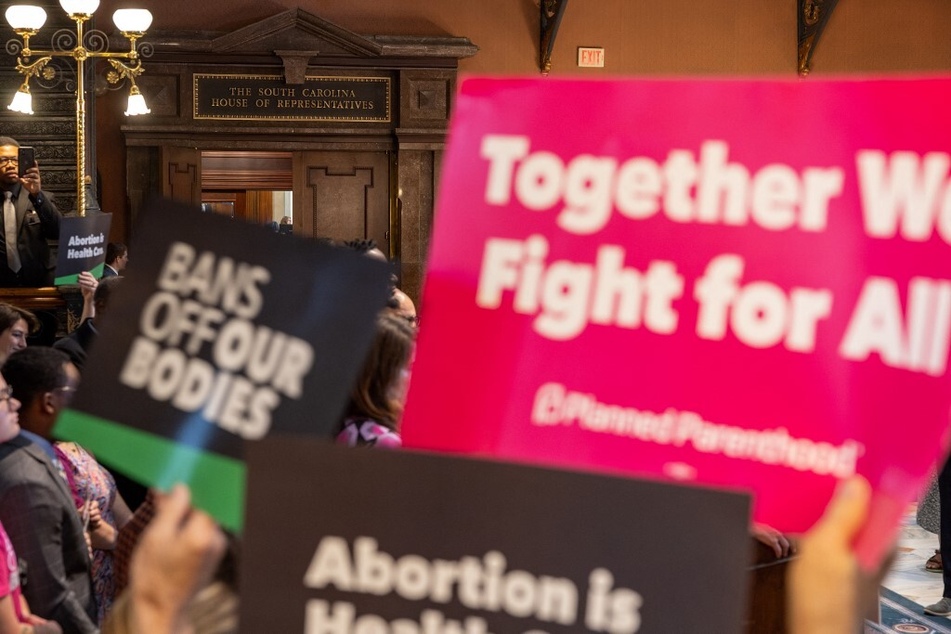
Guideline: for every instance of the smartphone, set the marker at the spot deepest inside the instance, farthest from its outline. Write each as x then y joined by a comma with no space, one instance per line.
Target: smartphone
25,158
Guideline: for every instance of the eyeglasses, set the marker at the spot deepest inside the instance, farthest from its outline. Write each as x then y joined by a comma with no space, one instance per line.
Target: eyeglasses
412,319
6,393
9,160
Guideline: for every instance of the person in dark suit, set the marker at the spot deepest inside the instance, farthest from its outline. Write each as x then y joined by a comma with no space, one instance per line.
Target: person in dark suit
117,256
30,219
38,512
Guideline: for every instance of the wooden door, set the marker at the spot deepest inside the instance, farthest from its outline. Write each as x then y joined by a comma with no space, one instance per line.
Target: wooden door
343,196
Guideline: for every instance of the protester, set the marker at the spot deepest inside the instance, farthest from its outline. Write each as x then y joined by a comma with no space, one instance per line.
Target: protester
399,302
369,248
38,513
212,610
87,287
366,246
44,381
928,516
11,614
129,536
16,324
176,558
780,544
94,486
376,401
943,606
402,306
30,220
15,616
78,343
827,591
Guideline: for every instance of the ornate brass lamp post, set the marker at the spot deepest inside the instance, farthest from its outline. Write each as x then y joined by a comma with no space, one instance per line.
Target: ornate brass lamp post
27,20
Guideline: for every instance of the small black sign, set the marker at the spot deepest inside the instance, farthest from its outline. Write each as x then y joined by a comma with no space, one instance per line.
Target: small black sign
82,246
399,541
258,97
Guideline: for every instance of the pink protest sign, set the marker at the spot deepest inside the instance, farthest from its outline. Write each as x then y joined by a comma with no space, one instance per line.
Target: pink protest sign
743,284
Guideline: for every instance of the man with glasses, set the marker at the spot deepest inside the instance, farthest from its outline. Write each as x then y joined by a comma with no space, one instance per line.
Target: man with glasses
30,219
37,508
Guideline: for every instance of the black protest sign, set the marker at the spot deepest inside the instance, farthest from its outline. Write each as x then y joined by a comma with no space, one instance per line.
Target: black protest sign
82,247
222,332
411,543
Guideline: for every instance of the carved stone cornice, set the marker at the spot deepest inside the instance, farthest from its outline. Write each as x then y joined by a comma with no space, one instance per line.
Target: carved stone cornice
403,46
292,26
304,33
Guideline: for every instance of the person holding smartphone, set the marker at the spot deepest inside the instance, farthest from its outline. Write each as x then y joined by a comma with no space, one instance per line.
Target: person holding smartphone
30,220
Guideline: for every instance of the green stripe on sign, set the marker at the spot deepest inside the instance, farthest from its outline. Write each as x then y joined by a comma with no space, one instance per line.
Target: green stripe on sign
66,279
217,483
74,278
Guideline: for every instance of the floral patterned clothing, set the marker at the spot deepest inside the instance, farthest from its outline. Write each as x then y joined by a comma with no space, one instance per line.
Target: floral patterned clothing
90,480
363,432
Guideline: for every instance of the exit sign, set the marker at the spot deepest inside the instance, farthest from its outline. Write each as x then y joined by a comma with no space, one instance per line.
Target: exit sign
590,57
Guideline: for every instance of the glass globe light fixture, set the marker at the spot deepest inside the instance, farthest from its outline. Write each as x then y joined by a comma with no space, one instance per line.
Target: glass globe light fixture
22,101
25,17
79,7
136,104
132,20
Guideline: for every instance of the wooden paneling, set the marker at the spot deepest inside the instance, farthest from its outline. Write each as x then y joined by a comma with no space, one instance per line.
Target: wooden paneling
246,170
343,196
259,206
181,174
223,204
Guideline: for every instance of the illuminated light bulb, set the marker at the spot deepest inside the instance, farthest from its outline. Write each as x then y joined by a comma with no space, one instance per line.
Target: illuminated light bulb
22,101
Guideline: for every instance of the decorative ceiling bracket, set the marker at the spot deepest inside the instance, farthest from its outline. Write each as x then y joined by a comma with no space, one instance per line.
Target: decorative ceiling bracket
551,12
813,16
295,65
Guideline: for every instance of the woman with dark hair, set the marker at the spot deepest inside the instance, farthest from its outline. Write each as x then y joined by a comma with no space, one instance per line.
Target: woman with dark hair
376,402
15,325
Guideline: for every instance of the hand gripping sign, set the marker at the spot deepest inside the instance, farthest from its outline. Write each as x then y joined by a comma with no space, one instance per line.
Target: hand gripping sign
745,284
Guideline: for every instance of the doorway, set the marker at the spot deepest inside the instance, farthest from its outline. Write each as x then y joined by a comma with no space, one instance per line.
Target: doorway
336,195
255,187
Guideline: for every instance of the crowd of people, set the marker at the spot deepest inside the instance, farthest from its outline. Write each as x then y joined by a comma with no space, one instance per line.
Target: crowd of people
75,546
79,558
67,521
